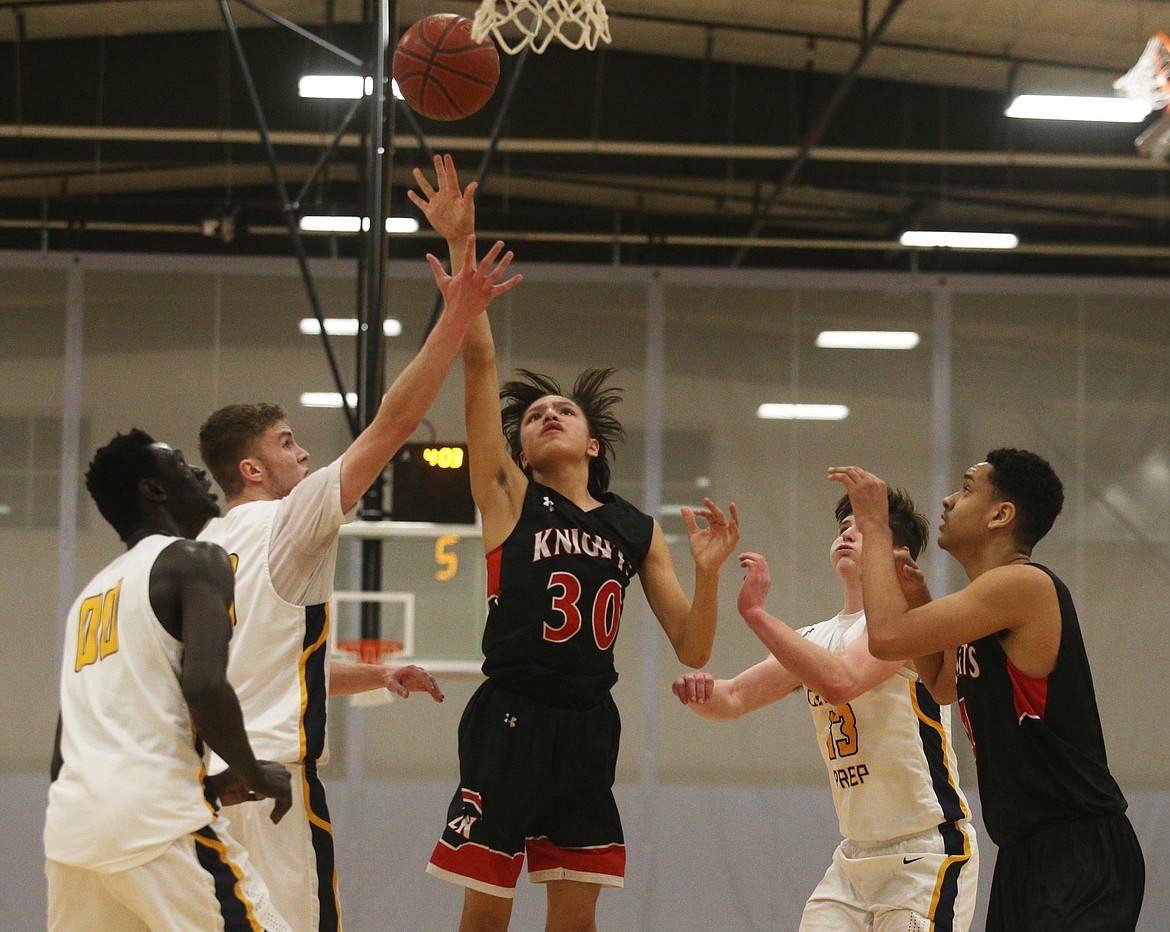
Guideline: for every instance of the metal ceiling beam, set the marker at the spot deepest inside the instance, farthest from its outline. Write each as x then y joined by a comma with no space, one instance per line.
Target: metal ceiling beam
817,132
600,147
1096,250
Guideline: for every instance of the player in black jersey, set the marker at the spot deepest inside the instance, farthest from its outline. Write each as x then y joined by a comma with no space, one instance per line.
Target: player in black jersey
538,741
1068,858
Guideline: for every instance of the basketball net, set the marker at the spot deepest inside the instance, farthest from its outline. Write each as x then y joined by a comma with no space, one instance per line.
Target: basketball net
574,23
1149,79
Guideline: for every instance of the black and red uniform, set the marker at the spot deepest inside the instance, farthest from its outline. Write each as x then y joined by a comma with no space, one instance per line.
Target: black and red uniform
538,741
1068,858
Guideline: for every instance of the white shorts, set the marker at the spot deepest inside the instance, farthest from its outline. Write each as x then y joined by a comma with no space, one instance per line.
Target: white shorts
926,881
295,856
201,882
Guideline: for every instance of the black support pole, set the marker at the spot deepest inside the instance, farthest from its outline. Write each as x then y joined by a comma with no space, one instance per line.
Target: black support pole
371,342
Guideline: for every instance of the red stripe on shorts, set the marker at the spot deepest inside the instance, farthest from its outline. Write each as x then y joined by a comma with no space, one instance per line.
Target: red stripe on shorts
478,863
607,860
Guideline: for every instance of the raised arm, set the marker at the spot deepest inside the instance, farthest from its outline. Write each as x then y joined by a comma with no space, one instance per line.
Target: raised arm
936,670
1016,599
497,483
690,623
725,700
191,591
466,293
836,678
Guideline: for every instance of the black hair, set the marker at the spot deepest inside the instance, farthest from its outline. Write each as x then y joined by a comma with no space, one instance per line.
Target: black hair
113,477
908,526
1031,484
590,394
227,436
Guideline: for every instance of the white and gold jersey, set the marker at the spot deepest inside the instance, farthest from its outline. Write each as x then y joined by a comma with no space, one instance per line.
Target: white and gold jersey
132,778
284,554
888,752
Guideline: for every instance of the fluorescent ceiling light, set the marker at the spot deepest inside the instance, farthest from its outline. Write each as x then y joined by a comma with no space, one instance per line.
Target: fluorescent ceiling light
315,224
1091,109
335,224
867,339
791,412
346,326
327,399
394,89
958,240
335,86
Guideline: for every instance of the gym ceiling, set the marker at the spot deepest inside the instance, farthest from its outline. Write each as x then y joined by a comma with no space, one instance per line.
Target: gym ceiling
753,133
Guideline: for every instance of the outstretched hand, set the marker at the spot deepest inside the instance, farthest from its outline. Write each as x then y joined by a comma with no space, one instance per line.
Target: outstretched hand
712,544
911,579
755,585
472,288
449,210
402,681
867,494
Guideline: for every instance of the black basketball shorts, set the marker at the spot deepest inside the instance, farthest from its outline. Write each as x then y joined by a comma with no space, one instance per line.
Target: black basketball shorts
538,779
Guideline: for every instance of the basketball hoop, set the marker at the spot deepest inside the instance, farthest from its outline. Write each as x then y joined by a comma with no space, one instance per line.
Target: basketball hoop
1149,79
575,23
370,650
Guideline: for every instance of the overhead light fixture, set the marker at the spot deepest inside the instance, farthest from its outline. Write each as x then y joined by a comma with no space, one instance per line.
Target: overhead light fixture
346,326
327,399
867,339
802,412
343,224
1088,109
335,86
395,90
953,239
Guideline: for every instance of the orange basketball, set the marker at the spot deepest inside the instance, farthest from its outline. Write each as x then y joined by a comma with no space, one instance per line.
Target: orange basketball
441,72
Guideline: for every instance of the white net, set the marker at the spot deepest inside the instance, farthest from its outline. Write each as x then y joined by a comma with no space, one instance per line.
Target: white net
515,24
1149,79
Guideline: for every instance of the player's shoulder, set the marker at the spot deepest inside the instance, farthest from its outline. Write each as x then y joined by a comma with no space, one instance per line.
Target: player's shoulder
1019,577
184,557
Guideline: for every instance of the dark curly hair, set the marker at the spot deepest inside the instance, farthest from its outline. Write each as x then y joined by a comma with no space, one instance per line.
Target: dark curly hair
909,527
113,477
590,394
1031,484
228,434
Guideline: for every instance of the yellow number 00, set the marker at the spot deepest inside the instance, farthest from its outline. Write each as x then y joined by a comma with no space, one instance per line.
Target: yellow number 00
97,628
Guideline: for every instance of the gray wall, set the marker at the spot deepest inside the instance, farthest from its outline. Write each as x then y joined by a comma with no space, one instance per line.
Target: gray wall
1076,370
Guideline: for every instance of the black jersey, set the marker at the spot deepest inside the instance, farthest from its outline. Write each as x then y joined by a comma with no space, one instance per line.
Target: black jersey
555,593
1039,750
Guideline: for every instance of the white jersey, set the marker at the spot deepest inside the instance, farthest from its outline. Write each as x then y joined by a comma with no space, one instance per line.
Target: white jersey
132,778
888,752
284,554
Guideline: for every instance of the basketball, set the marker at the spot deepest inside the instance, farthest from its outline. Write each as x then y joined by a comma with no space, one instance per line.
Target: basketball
441,72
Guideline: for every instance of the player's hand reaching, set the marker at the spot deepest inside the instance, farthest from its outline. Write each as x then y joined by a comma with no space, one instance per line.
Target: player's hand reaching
694,688
867,495
472,288
449,210
911,579
756,584
712,544
402,681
